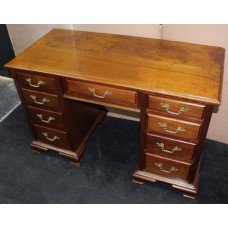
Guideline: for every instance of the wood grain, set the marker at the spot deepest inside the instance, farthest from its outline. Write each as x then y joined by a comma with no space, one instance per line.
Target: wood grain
191,130
144,64
56,118
181,169
115,95
141,74
164,146
53,100
191,110
61,142
49,84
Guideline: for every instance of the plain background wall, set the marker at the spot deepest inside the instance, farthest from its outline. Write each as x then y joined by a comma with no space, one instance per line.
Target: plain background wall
152,31
22,36
215,35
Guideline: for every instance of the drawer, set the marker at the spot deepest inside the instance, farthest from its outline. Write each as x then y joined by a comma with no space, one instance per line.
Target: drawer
43,100
38,82
170,147
175,108
173,127
53,137
102,93
46,118
166,167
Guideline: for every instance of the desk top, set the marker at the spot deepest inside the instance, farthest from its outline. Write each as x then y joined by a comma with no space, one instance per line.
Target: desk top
149,65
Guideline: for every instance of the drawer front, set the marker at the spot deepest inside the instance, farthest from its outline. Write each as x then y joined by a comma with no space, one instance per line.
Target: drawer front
46,118
174,108
165,167
169,147
172,127
53,137
101,93
42,100
38,82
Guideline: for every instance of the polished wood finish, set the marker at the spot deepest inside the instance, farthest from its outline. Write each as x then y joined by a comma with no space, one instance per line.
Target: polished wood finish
173,108
143,64
169,127
46,118
173,85
74,121
164,146
38,82
101,93
61,141
167,167
41,100
102,103
188,185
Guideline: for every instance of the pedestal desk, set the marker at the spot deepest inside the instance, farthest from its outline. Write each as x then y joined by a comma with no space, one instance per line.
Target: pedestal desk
67,77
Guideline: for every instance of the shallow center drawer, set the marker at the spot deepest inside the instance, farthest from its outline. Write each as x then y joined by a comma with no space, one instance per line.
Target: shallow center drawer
101,93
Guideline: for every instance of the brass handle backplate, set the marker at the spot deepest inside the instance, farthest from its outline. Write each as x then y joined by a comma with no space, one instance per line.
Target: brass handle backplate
50,139
45,121
44,100
165,126
29,80
172,169
181,110
106,93
162,146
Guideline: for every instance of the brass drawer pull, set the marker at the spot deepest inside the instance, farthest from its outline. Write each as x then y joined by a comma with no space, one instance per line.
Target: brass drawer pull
29,80
50,139
162,146
45,121
106,93
159,165
164,126
181,110
39,102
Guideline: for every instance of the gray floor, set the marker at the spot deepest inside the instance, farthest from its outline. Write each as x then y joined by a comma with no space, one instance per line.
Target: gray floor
9,99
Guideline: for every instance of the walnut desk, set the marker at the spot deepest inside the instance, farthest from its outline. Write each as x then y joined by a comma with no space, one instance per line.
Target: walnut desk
66,78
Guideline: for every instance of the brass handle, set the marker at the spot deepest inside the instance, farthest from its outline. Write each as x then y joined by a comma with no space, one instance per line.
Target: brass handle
164,126
50,139
39,102
45,121
29,80
159,165
162,146
106,93
181,110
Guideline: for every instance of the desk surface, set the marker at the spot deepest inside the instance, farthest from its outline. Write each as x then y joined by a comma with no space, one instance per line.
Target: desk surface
149,65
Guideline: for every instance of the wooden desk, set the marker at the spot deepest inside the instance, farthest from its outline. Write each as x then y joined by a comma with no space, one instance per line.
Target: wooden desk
66,78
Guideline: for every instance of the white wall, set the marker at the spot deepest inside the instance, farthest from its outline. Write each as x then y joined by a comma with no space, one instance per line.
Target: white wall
152,31
216,35
22,36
